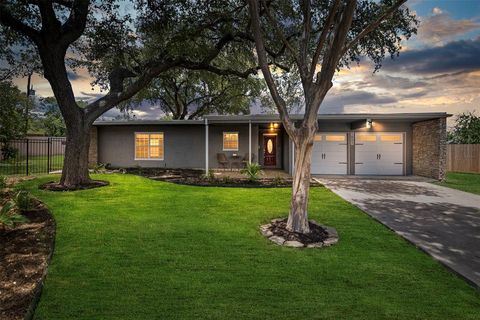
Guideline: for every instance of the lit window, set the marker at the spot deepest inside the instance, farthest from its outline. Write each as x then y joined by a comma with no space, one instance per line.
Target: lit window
230,141
149,146
391,138
338,138
318,137
367,137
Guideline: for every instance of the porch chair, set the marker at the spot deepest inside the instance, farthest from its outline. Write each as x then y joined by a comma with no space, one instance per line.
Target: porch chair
222,160
245,159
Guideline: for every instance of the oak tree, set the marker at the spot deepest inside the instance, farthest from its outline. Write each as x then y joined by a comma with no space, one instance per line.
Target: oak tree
122,44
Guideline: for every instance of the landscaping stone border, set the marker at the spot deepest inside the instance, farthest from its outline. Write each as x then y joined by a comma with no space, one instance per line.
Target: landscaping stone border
332,238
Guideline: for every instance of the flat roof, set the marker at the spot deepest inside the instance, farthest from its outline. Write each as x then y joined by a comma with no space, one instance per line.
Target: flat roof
265,118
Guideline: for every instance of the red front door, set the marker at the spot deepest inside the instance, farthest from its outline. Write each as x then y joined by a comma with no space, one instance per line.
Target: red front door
269,151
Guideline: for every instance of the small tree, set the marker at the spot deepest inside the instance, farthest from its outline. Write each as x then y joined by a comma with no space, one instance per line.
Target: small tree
12,104
54,124
466,129
319,37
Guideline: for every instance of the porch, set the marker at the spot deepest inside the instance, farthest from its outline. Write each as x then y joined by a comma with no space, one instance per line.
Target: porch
231,146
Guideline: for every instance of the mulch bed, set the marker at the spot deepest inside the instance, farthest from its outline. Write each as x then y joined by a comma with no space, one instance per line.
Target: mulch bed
55,186
25,252
318,237
317,233
197,178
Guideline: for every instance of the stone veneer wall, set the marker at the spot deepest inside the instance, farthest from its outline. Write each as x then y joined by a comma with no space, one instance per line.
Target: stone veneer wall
93,151
429,148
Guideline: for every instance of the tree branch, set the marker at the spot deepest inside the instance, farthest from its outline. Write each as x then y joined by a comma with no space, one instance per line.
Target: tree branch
329,65
262,60
274,23
305,39
373,25
50,23
323,37
74,27
8,20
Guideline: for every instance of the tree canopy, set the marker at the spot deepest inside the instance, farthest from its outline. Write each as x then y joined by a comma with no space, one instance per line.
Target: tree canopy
12,106
466,129
186,94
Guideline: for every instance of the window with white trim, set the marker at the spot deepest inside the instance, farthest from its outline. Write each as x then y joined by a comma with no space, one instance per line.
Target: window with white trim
230,141
149,146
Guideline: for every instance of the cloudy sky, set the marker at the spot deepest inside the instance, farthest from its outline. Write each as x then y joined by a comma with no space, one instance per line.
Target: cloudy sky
438,70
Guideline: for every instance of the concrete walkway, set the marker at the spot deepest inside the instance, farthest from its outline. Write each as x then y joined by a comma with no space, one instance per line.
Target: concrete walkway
443,222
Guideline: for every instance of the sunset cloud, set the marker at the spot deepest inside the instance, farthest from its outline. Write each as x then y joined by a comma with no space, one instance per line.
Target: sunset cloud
441,27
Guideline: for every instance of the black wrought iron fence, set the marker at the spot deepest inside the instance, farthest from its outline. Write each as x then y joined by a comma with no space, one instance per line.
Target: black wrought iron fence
32,156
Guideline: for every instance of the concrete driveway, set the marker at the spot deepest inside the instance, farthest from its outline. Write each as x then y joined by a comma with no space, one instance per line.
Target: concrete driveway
443,222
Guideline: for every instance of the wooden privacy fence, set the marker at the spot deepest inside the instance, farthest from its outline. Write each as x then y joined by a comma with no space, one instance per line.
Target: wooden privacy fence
463,157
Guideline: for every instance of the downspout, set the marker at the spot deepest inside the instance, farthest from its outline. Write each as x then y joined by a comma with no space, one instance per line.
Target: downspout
249,141
206,146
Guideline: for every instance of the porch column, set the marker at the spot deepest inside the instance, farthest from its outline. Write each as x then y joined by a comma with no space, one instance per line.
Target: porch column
206,146
249,141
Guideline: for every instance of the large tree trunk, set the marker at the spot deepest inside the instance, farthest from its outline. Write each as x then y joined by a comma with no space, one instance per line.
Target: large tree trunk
298,217
75,166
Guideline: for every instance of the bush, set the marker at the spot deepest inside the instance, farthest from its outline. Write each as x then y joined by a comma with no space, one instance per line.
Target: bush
3,182
9,152
9,216
23,200
99,168
210,175
278,181
252,171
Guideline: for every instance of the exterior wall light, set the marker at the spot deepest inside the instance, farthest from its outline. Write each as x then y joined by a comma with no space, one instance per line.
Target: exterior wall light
273,126
369,123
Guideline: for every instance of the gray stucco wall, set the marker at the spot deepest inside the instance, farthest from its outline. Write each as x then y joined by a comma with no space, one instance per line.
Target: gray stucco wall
184,146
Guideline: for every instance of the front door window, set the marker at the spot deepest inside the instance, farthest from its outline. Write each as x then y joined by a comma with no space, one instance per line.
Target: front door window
270,151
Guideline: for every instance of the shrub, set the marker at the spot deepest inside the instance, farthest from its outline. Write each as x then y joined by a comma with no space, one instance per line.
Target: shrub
210,175
227,180
99,168
278,181
9,152
252,171
3,182
9,216
23,200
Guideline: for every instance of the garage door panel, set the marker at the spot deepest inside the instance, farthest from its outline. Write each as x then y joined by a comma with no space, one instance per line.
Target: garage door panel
365,168
379,153
390,170
333,168
365,156
329,154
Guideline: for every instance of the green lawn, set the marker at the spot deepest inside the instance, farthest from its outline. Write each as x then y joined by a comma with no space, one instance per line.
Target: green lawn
36,165
143,249
469,182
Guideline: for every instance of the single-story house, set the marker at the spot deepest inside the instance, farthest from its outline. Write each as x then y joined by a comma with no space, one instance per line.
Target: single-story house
346,144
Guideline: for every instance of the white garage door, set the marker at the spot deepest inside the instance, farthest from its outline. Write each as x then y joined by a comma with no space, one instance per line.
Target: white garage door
379,153
330,153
